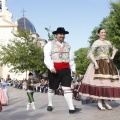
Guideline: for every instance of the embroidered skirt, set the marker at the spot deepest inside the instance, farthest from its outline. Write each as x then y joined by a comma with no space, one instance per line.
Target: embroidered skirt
102,83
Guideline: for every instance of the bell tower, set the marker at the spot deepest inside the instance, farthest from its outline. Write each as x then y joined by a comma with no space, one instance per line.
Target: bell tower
3,6
7,26
4,12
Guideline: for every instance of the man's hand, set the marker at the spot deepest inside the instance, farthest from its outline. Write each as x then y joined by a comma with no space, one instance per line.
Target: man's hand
74,72
32,84
53,70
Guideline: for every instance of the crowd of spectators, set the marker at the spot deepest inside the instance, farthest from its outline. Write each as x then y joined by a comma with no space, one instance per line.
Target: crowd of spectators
42,86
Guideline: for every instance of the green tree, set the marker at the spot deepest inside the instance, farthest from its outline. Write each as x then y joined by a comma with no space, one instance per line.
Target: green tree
94,36
22,53
113,29
50,35
81,60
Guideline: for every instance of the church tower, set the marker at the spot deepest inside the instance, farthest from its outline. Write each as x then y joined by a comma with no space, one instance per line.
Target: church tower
6,23
7,26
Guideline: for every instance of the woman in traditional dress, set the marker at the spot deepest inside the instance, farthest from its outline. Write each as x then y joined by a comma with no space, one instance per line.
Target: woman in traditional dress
4,93
101,79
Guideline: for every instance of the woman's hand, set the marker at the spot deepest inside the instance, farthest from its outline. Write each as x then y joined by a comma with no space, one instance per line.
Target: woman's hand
96,66
111,58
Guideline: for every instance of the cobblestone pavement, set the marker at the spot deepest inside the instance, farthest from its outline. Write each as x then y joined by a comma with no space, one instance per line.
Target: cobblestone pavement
16,110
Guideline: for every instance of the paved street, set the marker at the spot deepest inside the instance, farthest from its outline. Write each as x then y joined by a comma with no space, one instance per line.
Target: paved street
16,110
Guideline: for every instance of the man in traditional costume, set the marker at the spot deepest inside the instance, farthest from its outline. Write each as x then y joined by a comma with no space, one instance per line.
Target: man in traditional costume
59,64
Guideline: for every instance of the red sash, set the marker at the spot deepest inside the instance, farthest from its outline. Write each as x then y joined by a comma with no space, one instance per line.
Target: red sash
62,65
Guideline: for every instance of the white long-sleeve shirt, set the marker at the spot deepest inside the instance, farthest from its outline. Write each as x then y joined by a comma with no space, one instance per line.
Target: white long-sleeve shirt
49,62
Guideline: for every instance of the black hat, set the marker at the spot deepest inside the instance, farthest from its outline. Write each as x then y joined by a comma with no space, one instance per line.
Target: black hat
30,74
60,30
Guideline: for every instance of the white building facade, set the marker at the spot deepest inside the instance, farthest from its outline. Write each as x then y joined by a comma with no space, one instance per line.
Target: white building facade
7,26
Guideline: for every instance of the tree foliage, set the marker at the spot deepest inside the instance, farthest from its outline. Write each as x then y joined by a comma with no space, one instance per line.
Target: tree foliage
113,29
22,53
81,60
50,35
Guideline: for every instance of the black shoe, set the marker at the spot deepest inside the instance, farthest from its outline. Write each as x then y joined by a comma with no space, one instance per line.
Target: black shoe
49,108
74,111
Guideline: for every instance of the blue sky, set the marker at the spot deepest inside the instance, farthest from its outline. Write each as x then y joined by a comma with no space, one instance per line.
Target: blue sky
79,17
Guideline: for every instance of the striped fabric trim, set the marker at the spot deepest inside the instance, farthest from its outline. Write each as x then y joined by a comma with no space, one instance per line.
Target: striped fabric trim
51,91
67,91
115,77
110,93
